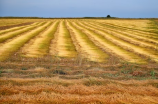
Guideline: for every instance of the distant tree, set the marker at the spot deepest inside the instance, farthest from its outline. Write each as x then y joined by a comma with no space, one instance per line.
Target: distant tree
108,16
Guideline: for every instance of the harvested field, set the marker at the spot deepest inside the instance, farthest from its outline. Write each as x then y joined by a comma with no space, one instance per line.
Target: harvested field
93,40
62,45
74,91
79,61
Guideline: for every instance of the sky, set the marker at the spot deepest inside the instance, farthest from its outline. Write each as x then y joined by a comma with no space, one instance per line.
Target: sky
80,8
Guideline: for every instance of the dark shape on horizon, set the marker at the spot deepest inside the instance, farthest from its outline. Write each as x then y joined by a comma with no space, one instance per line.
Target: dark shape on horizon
108,16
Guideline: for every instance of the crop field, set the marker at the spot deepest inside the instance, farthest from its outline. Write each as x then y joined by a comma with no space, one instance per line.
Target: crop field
79,61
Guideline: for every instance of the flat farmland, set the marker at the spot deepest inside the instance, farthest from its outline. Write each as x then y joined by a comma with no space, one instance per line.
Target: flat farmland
133,41
109,61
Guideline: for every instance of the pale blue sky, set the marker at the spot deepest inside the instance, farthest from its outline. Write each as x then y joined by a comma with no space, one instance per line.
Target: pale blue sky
80,8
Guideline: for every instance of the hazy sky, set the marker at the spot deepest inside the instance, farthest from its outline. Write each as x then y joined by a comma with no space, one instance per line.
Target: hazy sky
80,8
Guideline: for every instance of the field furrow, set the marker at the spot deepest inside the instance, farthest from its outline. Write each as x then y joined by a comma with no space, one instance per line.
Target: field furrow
86,47
62,45
129,38
147,34
9,48
15,28
39,46
126,45
134,27
137,35
13,34
108,46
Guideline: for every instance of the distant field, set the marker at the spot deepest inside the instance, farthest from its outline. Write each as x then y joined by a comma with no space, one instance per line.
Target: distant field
11,22
89,61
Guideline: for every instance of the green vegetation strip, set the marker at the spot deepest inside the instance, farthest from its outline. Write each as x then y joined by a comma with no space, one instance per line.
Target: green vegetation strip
63,45
70,46
128,38
87,48
9,48
40,46
137,35
153,54
108,46
131,30
136,39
